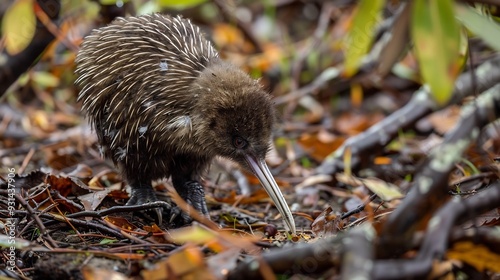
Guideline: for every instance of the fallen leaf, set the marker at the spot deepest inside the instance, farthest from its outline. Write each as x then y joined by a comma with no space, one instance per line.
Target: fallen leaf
194,234
319,146
326,224
476,255
384,190
92,200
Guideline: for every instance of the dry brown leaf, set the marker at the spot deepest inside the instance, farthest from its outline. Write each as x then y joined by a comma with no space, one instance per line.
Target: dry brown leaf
352,123
229,37
326,224
189,264
320,145
271,56
446,119
441,270
159,271
92,200
120,222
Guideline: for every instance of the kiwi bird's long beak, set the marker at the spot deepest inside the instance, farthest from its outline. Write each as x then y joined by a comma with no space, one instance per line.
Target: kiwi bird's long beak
260,169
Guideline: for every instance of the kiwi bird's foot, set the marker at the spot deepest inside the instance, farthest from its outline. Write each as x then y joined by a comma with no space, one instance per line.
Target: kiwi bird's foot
144,195
192,192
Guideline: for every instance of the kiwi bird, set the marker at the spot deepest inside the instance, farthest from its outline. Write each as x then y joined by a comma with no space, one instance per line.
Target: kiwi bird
164,104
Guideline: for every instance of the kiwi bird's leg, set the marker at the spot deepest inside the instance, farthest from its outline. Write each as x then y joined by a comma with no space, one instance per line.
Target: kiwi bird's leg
196,196
192,192
142,193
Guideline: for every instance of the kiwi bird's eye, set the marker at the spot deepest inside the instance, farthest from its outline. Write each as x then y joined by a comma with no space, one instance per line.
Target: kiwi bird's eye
239,142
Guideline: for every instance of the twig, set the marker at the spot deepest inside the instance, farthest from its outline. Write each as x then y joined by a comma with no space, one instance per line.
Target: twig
326,76
358,253
38,221
120,209
26,161
321,255
435,242
358,209
430,187
422,104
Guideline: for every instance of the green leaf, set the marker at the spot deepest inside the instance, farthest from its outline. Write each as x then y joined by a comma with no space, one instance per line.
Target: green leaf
436,36
361,35
148,8
18,26
481,25
45,79
473,168
118,3
106,241
180,4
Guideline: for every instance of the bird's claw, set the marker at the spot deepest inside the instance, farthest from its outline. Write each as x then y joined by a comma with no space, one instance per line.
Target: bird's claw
143,196
176,212
192,192
196,197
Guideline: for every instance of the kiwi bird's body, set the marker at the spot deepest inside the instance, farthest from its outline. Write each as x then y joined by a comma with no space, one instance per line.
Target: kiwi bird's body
164,104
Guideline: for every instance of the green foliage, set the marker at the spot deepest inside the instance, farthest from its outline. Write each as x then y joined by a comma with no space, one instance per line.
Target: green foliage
105,241
481,25
360,36
305,162
472,168
45,79
180,4
148,8
18,26
436,36
113,2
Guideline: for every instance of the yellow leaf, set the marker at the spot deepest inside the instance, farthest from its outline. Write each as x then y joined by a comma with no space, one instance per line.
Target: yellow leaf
194,234
476,255
41,119
187,260
186,263
347,161
18,26
385,190
361,35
